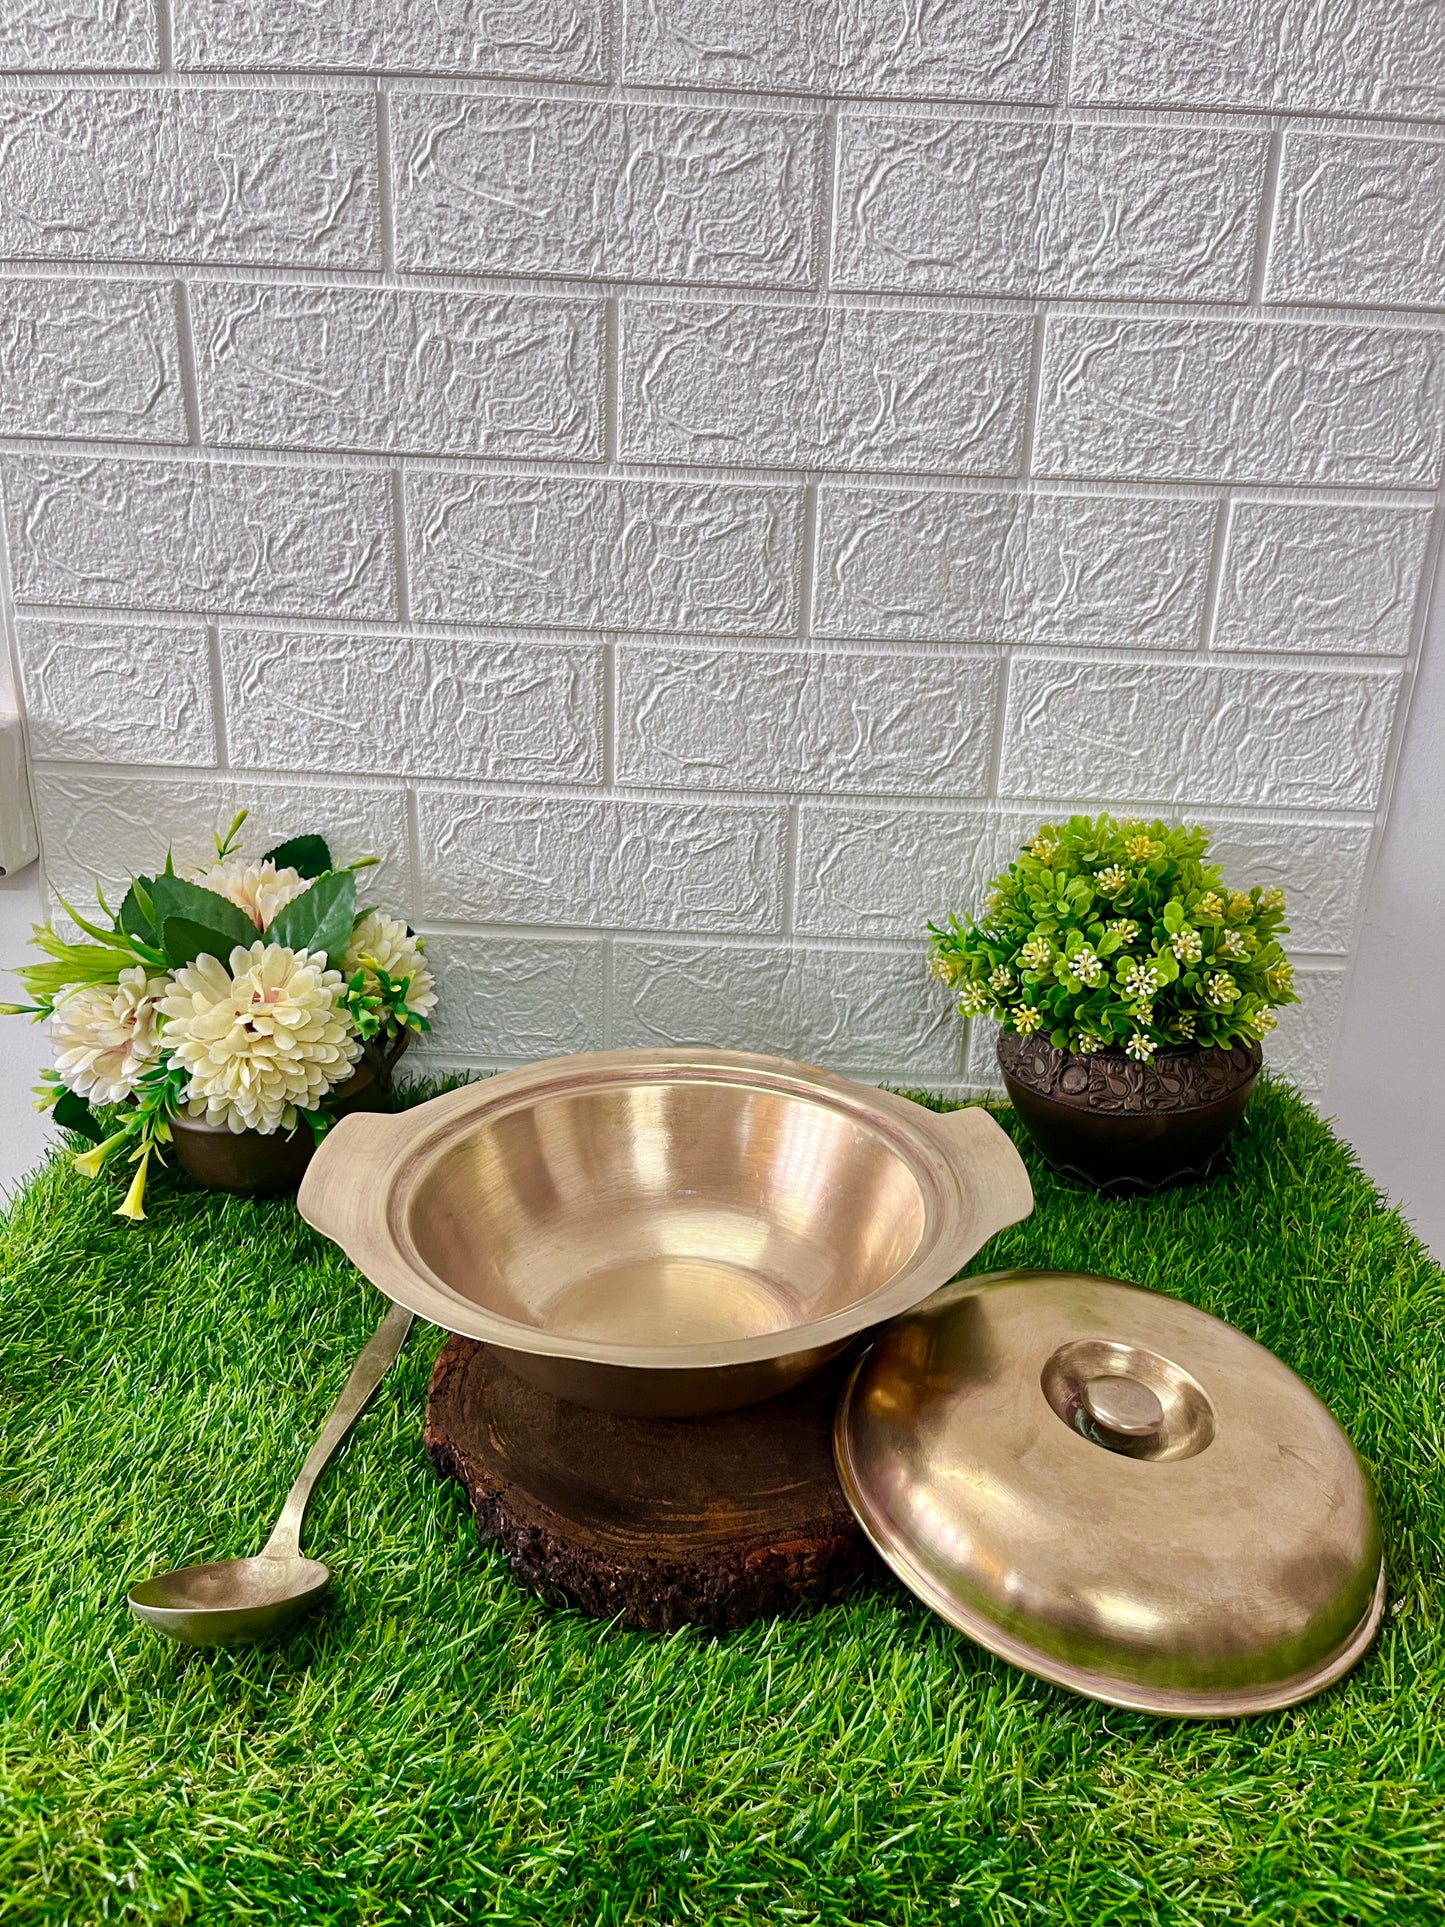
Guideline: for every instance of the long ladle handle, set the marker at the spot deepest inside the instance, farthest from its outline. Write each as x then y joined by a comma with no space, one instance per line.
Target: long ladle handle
366,1374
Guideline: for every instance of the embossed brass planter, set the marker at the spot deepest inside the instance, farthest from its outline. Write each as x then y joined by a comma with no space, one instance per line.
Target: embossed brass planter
1115,1491
664,1233
1124,1126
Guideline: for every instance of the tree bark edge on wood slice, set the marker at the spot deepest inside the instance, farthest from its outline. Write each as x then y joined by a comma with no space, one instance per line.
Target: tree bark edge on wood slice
660,1523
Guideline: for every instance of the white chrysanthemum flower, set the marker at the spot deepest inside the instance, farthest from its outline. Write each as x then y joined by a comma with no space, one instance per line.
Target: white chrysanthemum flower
384,943
260,889
262,1042
1187,945
1027,1019
106,1035
973,1000
1139,1046
1112,880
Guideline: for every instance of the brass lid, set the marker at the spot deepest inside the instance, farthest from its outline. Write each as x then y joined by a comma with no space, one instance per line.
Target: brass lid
1115,1491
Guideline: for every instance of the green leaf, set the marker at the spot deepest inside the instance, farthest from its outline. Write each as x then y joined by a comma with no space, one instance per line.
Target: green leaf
185,940
173,896
1165,966
72,1113
309,856
137,913
320,919
1173,918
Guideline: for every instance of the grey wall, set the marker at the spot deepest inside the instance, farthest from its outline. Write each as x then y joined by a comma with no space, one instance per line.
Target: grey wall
689,488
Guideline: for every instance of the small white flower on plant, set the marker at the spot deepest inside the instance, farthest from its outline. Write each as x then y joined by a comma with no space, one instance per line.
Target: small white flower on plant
1112,880
1140,981
1184,1023
1187,945
1036,953
1139,849
260,889
1139,1046
1088,1043
1124,928
1043,848
1222,989
384,943
106,1035
1262,1021
1280,975
942,969
973,1000
1001,979
1027,1019
1211,904
1087,967
1142,1012
262,1042
1232,944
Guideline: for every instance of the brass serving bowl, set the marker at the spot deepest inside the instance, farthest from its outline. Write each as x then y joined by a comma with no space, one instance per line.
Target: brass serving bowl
664,1233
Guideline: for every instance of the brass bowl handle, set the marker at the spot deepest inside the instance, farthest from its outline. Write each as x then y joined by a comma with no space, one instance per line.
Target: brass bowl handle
336,1192
981,1155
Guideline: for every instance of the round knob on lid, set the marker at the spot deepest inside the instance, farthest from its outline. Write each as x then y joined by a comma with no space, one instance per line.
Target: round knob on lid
1121,1408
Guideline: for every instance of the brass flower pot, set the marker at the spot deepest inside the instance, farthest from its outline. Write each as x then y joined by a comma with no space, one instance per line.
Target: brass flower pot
262,1166
1125,1126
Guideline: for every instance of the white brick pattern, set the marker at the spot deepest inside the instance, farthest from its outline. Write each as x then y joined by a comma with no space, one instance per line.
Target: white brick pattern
691,486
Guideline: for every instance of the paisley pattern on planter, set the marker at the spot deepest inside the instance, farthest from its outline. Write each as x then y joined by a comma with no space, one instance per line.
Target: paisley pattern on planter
1110,1081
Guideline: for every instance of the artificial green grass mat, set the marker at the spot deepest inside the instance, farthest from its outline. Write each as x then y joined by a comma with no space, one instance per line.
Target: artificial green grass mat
436,1745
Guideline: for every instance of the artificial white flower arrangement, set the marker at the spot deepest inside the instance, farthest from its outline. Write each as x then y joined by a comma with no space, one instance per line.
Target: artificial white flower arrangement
246,996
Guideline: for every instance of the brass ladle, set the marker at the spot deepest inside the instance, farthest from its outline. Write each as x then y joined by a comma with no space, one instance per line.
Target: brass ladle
232,1601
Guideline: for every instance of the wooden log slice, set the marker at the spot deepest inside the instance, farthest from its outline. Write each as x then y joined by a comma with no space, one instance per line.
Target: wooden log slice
659,1522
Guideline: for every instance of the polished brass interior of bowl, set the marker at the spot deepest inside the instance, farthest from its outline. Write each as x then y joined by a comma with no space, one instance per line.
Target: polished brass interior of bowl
666,1232
667,1213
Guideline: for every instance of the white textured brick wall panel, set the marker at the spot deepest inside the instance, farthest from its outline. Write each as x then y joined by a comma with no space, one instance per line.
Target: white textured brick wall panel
1300,1048
581,554
1046,207
97,359
570,860
1020,567
1360,221
803,720
109,692
204,536
494,184
865,1012
960,49
1242,401
94,824
879,872
515,997
412,706
823,387
1186,736
1319,866
437,374
200,174
59,35
1321,575
542,40
1370,56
